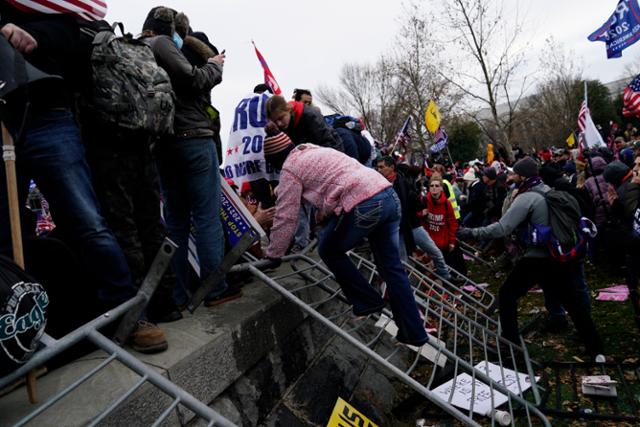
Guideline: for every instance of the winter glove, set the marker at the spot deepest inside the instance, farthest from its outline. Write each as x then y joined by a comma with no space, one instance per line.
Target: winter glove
464,233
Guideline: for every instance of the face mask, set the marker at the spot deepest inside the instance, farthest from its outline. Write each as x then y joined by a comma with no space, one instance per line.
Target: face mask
177,40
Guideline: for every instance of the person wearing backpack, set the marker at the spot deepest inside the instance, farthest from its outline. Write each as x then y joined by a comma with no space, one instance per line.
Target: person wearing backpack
49,149
556,319
527,213
119,150
187,160
350,131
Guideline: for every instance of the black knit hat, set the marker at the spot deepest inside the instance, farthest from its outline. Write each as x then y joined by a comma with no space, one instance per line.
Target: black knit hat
490,173
526,167
160,20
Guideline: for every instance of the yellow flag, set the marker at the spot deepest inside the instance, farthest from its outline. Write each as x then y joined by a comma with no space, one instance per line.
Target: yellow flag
432,117
571,140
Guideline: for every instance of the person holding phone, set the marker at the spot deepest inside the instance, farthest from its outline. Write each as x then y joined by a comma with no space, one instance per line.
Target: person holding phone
187,161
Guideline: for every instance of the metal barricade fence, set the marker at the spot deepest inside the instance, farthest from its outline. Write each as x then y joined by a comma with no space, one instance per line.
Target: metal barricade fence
464,355
89,331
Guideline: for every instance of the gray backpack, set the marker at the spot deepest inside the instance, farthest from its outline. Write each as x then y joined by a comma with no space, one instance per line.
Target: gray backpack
130,90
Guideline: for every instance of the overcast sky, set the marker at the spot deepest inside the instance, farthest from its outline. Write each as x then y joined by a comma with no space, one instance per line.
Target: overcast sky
306,42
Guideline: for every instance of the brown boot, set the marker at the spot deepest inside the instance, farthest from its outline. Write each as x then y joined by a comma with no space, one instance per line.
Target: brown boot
148,338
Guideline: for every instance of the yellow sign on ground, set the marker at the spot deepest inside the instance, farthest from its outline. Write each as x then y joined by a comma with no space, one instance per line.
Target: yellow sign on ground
345,415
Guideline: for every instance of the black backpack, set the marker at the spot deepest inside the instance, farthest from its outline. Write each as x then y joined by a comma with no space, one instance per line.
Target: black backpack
568,231
129,89
23,315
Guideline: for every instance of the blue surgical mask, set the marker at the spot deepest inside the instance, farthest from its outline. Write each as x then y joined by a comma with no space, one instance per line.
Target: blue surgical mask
177,40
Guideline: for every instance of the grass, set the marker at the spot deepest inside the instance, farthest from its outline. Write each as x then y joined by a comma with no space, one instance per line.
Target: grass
615,324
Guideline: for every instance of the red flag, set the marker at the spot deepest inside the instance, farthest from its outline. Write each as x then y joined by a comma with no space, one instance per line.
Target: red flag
89,10
268,77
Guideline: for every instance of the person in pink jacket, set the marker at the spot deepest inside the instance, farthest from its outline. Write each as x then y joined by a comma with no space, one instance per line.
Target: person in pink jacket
353,202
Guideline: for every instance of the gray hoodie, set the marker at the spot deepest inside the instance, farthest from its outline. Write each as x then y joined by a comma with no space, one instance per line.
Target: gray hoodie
527,208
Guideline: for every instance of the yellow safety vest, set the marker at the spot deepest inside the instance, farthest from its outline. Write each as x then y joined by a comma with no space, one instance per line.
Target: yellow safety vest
452,198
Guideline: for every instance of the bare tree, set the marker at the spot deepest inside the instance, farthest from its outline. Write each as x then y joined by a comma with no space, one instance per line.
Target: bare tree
369,92
493,42
549,116
417,61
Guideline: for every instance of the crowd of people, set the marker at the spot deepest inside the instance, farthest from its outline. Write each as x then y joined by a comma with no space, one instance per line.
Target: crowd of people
104,184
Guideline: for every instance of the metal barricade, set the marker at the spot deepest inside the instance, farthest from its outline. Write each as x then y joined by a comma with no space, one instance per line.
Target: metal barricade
89,331
465,352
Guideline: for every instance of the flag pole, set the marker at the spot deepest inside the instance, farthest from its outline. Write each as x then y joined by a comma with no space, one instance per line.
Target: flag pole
590,160
9,157
586,94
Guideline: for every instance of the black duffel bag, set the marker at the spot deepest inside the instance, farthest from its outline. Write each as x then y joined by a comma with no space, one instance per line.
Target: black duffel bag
23,315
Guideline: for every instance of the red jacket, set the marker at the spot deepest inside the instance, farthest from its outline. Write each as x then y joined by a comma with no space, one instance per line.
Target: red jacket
440,221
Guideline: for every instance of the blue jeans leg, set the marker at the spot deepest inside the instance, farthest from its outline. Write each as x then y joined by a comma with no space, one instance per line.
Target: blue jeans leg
51,152
427,245
301,237
377,218
191,188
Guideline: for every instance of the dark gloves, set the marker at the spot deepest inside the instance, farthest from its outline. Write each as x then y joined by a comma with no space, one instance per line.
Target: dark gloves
464,233
271,128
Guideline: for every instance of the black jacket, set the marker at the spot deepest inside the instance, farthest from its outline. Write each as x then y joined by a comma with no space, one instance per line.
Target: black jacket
348,142
476,201
311,128
191,85
408,205
197,49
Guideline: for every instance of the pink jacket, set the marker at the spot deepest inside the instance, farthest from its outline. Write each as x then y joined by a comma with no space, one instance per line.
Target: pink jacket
327,179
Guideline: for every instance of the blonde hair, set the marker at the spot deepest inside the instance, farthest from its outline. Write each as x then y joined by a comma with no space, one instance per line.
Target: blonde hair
435,177
276,105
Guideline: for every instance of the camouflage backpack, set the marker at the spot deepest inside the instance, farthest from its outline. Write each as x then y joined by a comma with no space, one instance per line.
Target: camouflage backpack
129,89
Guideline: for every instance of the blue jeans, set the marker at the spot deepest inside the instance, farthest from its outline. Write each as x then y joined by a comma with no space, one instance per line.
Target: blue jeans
51,153
428,246
377,218
190,183
303,230
425,243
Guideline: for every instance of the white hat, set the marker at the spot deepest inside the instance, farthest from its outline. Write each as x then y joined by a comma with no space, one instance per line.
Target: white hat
470,176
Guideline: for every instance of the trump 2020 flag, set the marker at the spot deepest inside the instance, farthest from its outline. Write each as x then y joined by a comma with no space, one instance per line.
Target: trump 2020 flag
621,30
243,160
440,141
269,80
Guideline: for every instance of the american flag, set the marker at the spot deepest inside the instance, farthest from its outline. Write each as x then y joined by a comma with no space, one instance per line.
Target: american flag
582,120
631,99
89,10
403,138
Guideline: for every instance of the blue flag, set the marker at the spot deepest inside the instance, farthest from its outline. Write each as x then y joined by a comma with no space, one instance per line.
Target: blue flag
440,141
621,30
